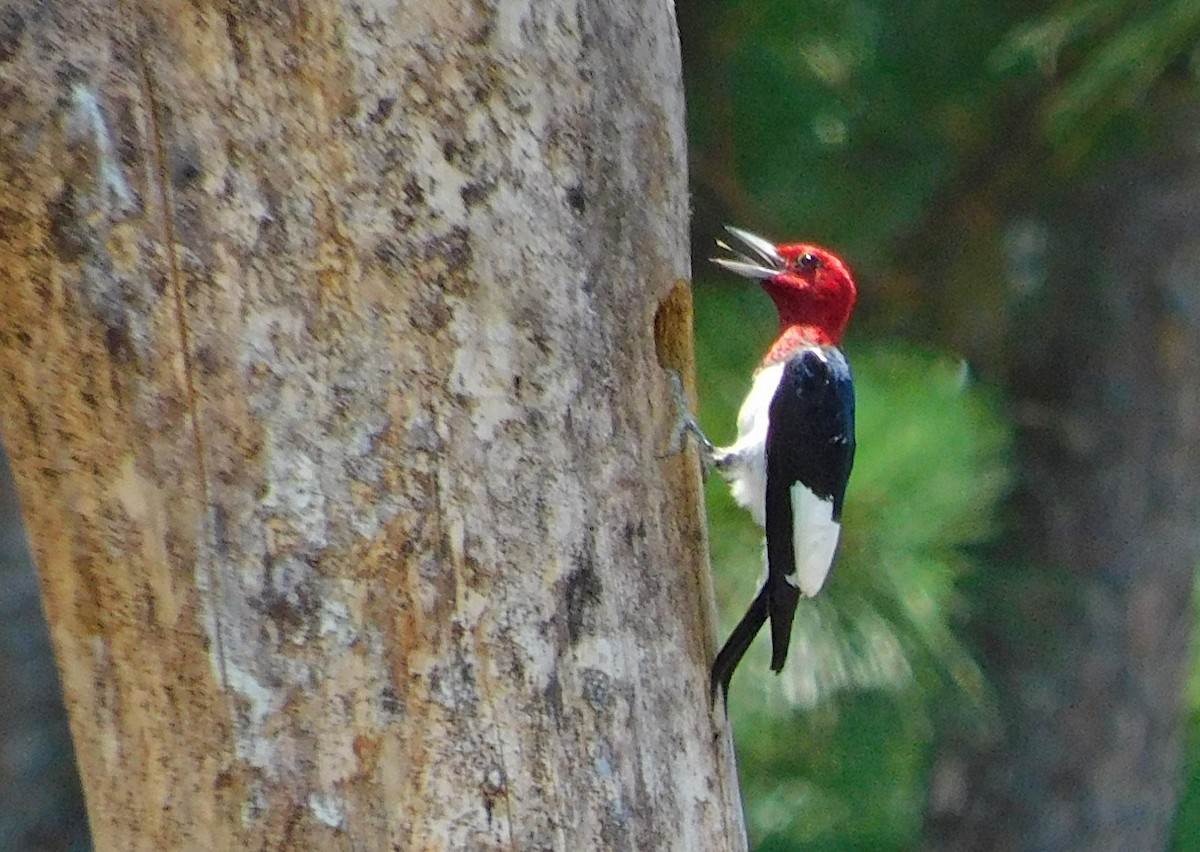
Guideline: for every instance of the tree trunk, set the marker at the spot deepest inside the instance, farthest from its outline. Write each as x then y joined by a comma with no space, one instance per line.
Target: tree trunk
1089,646
330,370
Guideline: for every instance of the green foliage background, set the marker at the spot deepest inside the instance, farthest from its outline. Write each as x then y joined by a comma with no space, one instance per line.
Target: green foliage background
871,126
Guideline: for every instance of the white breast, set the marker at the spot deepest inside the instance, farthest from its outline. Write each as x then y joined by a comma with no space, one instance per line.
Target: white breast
744,462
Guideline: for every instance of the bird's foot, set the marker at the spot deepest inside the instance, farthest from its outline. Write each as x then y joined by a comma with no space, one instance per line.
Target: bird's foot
685,424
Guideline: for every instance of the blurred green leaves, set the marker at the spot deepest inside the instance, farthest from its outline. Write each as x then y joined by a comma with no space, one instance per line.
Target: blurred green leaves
838,120
1100,59
844,121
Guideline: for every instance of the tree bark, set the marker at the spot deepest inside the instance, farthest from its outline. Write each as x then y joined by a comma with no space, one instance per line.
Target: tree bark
1088,646
330,371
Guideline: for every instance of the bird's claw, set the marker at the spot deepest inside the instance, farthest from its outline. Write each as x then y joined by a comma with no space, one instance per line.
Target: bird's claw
685,424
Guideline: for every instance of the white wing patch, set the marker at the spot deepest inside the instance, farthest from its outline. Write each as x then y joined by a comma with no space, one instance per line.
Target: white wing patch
814,539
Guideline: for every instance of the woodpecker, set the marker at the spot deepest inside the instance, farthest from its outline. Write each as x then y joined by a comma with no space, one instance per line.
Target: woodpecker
795,445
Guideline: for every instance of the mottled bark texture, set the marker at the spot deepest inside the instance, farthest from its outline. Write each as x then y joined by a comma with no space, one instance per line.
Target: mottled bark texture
1088,646
329,374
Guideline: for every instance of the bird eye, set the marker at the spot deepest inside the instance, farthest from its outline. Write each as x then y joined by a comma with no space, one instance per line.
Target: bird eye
807,262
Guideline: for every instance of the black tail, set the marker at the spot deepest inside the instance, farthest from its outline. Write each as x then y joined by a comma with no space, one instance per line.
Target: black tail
784,598
736,645
779,606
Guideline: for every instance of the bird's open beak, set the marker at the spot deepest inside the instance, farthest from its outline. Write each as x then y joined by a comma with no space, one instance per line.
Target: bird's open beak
761,261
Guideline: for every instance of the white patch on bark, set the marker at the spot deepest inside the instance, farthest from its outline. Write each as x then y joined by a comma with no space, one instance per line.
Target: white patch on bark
295,492
484,373
252,746
328,809
336,624
86,123
105,706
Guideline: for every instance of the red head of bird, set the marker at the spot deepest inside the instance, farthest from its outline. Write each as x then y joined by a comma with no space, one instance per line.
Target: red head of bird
812,289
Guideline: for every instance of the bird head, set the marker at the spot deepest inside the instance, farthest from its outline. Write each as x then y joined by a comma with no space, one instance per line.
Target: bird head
812,289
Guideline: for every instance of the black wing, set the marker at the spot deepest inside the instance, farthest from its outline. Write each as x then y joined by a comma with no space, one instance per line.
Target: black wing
810,439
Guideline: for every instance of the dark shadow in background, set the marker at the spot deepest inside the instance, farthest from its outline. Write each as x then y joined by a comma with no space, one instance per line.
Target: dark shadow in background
41,802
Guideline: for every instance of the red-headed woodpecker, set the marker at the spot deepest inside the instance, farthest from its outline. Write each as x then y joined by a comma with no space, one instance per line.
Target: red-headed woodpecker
795,445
